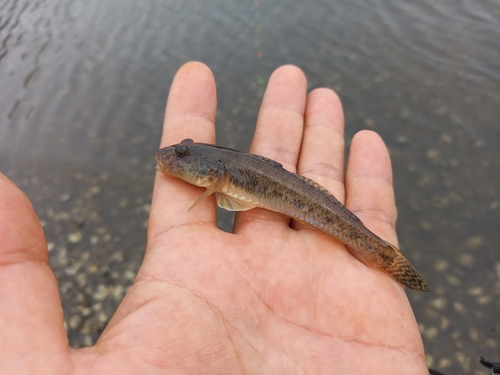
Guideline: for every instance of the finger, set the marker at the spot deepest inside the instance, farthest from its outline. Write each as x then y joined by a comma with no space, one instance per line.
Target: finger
278,133
31,319
191,106
369,190
190,113
322,151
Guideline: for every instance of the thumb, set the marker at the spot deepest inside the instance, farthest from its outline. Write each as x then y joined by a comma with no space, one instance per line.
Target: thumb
31,320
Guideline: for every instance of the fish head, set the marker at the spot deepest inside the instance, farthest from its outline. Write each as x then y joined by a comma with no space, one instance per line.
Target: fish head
188,161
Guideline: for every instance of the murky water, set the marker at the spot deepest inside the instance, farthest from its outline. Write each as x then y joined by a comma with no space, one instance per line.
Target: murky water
83,86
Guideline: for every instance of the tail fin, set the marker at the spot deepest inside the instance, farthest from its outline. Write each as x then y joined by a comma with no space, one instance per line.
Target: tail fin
404,273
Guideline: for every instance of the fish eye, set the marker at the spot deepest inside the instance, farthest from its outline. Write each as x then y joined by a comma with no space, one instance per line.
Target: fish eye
181,150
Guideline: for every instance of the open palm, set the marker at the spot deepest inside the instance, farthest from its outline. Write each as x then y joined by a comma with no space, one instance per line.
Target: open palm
273,297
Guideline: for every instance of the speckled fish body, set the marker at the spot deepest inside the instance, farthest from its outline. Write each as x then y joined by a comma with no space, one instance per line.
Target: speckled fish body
243,181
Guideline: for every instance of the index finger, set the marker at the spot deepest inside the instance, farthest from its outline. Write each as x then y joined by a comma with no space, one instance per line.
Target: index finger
190,113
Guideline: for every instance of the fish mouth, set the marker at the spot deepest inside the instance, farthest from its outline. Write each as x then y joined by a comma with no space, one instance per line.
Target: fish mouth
160,166
163,158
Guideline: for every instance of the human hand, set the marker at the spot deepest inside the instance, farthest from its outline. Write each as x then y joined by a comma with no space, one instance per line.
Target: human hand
273,297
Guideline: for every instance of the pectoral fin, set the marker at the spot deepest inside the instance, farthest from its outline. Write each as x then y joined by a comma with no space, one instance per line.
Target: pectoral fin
231,204
210,190
213,188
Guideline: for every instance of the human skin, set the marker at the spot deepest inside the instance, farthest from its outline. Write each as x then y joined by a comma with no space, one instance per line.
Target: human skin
273,297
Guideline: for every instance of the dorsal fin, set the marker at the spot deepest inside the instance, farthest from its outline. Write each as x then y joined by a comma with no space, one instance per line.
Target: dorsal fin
321,188
267,160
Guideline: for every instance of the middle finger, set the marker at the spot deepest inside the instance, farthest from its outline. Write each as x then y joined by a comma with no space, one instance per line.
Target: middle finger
278,133
322,152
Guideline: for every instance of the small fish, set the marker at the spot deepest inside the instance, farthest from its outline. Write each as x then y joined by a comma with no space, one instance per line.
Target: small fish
243,181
